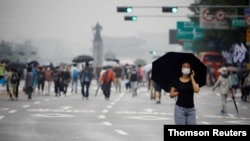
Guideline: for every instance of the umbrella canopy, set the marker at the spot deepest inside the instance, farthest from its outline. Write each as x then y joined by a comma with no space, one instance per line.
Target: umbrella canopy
232,69
33,63
168,67
82,58
147,67
16,65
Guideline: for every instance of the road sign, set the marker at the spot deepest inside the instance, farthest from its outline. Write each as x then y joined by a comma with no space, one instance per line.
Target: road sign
247,19
206,15
220,15
238,23
189,31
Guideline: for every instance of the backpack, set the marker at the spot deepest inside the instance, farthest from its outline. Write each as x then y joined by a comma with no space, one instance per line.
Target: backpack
75,74
106,78
14,78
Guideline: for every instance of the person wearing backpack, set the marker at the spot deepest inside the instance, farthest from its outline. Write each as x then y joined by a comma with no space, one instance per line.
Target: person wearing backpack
224,83
106,80
74,76
12,82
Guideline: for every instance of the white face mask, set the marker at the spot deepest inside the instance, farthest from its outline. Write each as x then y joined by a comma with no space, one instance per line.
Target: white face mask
185,71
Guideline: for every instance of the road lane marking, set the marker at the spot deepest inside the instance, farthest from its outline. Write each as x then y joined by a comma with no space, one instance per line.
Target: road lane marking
26,106
121,132
109,107
1,117
105,111
4,109
53,115
102,116
107,123
46,99
12,111
204,122
37,102
112,103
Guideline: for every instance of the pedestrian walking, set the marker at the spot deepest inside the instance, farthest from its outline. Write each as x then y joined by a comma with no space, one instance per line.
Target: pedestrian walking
41,80
225,86
74,78
106,80
157,91
48,79
184,88
133,79
66,80
29,82
118,78
12,83
86,76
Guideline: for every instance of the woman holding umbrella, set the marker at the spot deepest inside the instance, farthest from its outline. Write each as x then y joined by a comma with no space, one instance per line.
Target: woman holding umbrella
184,88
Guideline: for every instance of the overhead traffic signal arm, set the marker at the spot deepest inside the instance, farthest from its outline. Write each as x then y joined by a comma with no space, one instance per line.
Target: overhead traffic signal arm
170,9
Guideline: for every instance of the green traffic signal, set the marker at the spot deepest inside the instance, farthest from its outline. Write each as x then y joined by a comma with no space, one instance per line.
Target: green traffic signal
125,9
170,9
130,18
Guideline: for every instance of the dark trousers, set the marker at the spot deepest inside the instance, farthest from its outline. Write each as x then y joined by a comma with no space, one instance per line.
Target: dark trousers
65,88
58,88
244,93
106,90
29,92
41,85
85,93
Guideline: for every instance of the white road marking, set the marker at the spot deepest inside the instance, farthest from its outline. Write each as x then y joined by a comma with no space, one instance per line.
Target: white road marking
1,117
204,122
26,106
121,132
244,107
53,115
112,103
102,116
4,109
37,102
109,107
107,123
105,111
46,99
12,111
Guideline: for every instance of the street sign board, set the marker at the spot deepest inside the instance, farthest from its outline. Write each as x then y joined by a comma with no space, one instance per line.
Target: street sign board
238,23
189,31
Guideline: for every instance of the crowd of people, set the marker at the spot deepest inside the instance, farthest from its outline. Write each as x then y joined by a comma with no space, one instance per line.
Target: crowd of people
40,79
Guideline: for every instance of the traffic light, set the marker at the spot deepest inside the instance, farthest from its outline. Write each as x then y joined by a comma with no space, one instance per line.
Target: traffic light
125,9
170,9
130,18
153,52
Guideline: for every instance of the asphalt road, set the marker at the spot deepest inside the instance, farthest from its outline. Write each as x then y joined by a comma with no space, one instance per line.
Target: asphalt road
122,118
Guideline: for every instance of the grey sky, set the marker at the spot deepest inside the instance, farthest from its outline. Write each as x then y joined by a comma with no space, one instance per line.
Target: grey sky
72,20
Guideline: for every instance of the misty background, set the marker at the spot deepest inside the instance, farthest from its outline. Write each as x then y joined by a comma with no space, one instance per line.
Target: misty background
62,29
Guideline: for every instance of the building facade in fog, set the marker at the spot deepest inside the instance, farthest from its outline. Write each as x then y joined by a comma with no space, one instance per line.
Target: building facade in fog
98,46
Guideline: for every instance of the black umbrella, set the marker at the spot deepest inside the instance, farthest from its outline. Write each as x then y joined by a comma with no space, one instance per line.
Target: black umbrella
33,63
168,67
82,58
16,65
6,61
